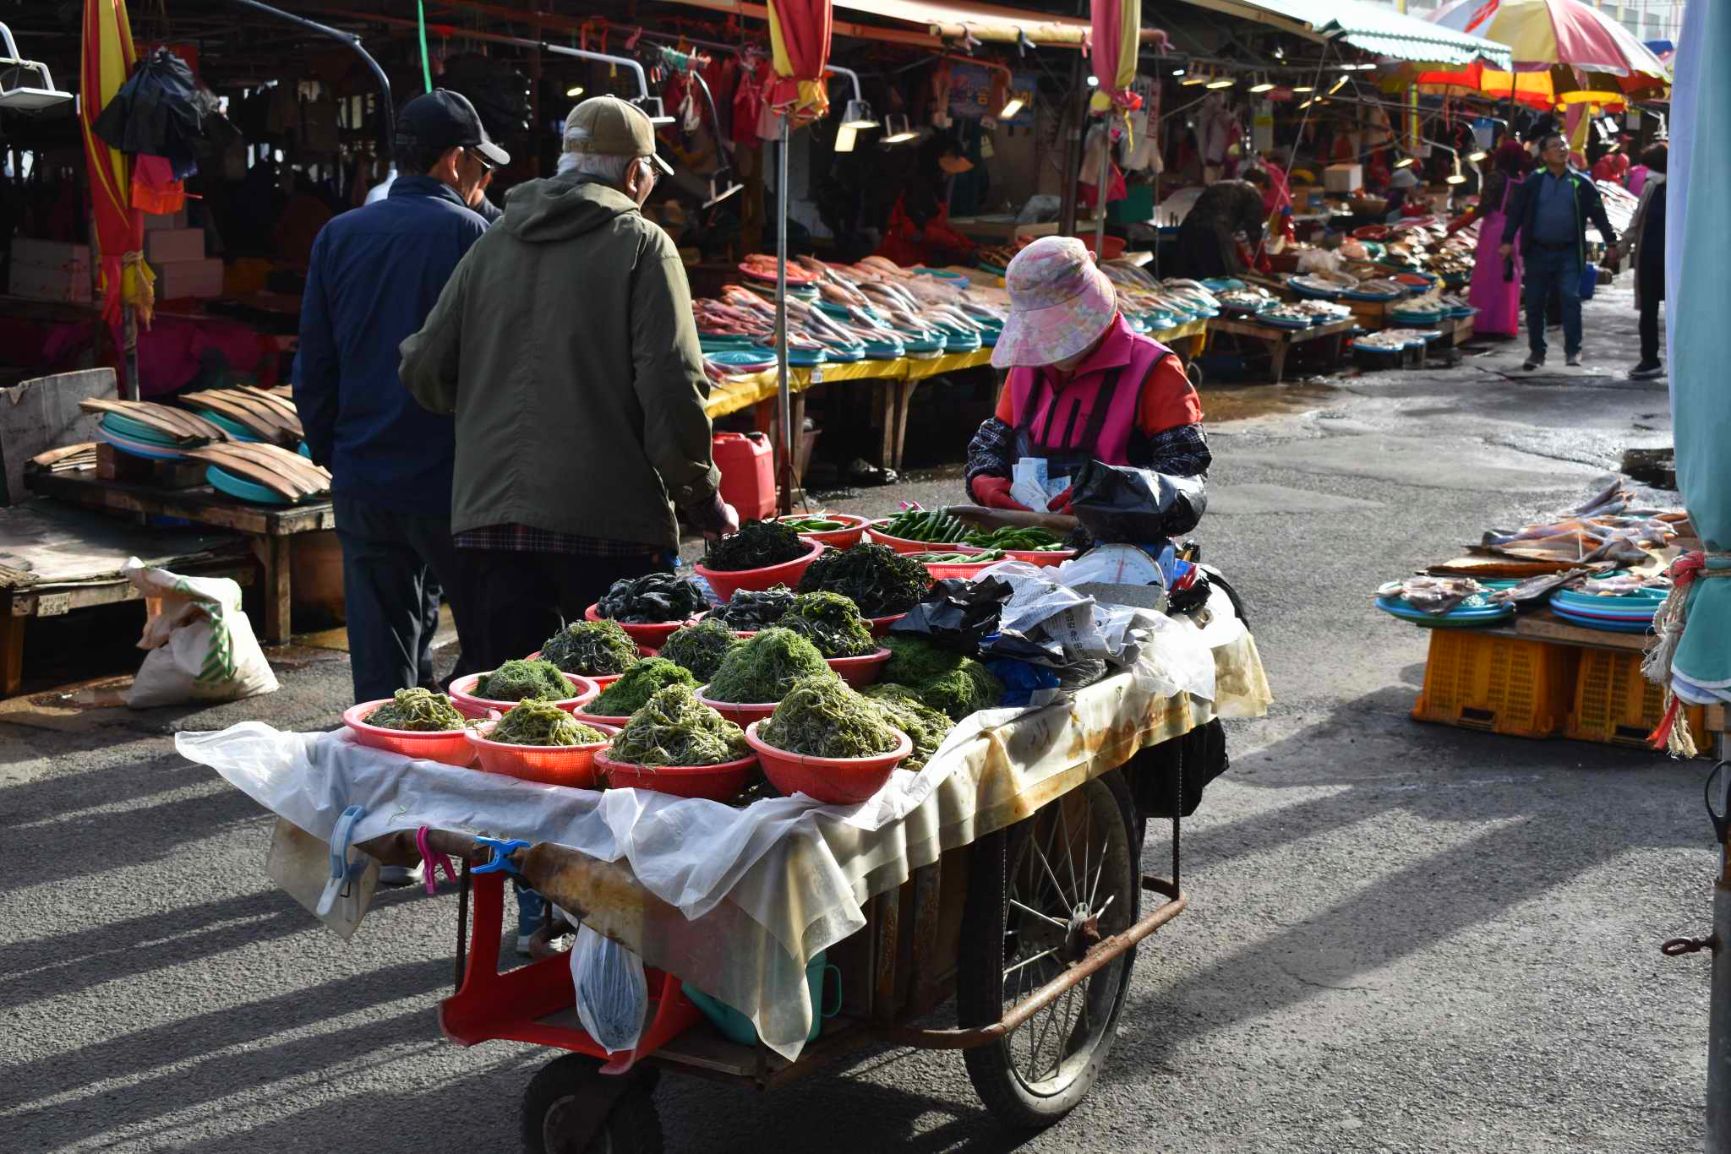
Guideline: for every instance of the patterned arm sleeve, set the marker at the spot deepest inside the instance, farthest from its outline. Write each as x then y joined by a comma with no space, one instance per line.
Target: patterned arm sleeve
989,453
1178,452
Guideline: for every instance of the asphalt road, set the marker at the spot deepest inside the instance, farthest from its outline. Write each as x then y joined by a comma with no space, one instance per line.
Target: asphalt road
1402,937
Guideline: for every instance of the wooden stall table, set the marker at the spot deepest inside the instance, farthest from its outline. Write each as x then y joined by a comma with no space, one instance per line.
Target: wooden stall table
1280,342
56,559
267,528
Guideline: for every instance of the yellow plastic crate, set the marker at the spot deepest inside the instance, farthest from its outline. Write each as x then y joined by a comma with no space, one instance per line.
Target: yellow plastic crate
1497,684
1614,703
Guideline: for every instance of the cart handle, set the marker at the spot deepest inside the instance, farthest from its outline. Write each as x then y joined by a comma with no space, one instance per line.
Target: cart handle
1103,954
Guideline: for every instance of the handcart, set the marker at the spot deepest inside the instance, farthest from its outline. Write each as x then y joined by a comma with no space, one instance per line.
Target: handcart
1013,888
1031,929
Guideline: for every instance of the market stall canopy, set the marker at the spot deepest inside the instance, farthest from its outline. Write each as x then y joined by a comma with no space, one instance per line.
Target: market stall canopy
799,32
1543,89
941,22
1542,33
1368,28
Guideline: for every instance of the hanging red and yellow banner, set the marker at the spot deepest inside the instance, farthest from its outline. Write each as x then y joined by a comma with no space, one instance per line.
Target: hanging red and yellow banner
1115,37
799,32
105,63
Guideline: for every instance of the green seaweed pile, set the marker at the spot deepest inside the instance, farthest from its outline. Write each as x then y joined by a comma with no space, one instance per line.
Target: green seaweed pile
765,667
753,609
521,680
537,722
833,624
757,545
927,727
633,691
701,647
879,580
677,729
824,717
591,648
944,679
416,711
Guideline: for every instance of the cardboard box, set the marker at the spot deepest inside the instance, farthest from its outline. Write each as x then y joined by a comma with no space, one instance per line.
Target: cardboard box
1343,177
179,279
174,244
49,270
152,222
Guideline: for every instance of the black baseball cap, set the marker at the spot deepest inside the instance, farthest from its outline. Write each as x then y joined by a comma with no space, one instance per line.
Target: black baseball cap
442,119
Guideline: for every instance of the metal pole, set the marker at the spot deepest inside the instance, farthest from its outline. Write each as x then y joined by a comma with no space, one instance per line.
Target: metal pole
387,114
129,347
1719,1005
1075,118
785,437
1100,189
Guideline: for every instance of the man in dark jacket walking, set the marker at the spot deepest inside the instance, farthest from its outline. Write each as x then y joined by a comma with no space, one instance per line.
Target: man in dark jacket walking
566,346
1551,209
375,274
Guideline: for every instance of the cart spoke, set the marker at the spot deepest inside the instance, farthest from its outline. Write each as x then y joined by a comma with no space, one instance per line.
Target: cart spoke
1075,894
1030,961
1062,926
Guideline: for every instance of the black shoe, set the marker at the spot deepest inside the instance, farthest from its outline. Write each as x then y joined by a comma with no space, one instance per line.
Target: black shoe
1534,361
1647,371
1573,360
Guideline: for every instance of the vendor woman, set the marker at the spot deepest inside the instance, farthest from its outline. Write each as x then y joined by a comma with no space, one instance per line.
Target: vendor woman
1082,385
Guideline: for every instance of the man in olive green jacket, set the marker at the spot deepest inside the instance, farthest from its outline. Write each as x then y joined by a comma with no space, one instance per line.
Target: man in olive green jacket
565,345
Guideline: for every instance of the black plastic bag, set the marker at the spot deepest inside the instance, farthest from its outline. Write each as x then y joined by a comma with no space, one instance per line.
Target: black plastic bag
1121,503
957,614
159,111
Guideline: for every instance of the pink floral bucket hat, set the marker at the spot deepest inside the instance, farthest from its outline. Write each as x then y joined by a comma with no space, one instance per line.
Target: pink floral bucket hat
1060,303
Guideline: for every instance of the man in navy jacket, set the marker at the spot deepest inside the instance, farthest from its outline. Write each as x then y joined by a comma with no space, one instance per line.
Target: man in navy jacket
375,274
1550,211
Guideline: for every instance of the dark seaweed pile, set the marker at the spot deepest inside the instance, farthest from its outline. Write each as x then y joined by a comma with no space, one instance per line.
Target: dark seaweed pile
875,577
757,545
832,622
752,609
652,599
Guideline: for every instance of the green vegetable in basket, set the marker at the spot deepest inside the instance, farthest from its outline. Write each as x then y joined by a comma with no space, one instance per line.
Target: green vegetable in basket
701,647
927,727
416,711
832,623
879,580
813,524
752,609
591,648
677,729
918,524
542,723
824,717
982,557
765,667
522,680
1027,538
943,678
757,545
633,691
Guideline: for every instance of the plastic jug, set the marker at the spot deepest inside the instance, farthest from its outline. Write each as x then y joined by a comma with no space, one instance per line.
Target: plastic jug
747,465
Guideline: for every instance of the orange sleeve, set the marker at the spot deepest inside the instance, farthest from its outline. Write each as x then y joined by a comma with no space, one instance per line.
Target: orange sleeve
1168,400
1006,410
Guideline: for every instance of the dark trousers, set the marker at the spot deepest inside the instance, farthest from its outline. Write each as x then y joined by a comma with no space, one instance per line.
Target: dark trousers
395,565
1649,328
1550,270
521,599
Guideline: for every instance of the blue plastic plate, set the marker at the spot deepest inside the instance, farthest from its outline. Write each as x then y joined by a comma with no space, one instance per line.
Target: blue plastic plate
721,344
143,449
134,430
1604,625
806,357
741,358
884,350
1457,618
1222,284
226,482
233,428
923,345
962,342
845,355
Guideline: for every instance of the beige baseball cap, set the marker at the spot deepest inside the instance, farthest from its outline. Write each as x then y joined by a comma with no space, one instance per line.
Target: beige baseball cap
609,126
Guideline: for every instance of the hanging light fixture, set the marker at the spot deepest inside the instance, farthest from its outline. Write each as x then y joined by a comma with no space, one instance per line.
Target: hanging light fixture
574,91
1338,84
1457,176
1263,85
1300,88
1404,162
1011,106
26,85
897,130
1222,81
858,116
1477,156
718,192
845,138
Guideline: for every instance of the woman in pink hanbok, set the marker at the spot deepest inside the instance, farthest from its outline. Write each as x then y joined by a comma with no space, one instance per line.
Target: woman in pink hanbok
1494,292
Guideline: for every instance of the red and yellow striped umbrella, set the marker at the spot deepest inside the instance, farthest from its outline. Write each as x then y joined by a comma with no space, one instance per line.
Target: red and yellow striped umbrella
107,61
799,32
1115,36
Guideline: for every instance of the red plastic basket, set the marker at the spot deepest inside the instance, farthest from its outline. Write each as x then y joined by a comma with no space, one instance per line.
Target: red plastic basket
787,573
715,782
450,747
860,672
835,538
469,705
734,712
832,780
569,765
648,637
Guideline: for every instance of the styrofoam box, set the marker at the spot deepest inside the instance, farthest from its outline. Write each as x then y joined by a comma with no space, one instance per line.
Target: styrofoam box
188,278
152,222
1343,177
50,253
43,283
174,244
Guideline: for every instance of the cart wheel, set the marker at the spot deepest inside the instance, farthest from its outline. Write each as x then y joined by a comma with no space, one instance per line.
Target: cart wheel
556,1097
1041,892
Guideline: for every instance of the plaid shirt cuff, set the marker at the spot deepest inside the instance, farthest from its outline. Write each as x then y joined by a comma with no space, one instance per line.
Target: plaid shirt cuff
529,539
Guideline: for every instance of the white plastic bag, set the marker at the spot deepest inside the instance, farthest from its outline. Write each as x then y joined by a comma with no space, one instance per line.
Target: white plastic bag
612,990
201,645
